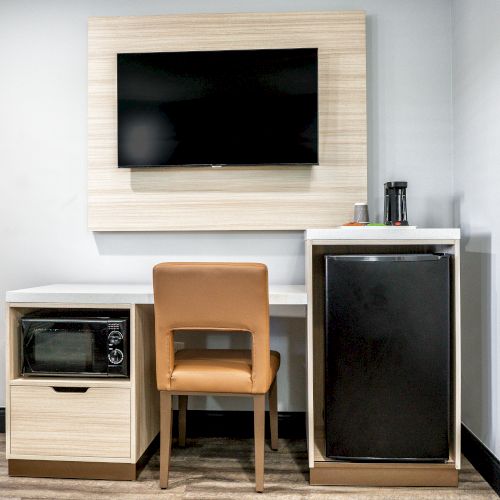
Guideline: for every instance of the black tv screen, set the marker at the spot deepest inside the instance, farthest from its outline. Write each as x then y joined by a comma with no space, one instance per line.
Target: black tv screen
237,107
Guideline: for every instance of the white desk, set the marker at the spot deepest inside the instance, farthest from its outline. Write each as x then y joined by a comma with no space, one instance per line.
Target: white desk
382,234
287,301
129,294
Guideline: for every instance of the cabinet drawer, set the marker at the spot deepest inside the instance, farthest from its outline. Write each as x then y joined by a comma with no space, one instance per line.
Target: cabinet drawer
94,422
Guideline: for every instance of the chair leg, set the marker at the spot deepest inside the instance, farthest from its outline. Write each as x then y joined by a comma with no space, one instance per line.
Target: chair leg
183,405
259,407
165,436
273,413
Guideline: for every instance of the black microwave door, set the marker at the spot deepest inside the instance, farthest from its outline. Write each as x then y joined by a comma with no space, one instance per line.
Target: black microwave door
64,347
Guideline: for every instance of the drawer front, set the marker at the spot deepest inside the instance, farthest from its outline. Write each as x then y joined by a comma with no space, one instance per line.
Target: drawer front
94,423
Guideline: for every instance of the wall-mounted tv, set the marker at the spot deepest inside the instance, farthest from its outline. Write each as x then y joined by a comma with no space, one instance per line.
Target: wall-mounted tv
235,107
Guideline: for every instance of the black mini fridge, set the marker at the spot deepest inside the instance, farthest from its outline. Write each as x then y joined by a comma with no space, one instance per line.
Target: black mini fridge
387,357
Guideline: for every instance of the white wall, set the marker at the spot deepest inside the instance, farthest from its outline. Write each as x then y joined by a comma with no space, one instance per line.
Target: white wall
476,91
43,105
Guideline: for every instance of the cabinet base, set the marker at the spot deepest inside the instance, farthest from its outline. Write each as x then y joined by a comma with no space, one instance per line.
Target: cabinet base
112,471
356,474
72,470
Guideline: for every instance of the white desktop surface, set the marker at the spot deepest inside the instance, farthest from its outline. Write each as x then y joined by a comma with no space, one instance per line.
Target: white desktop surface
383,233
73,293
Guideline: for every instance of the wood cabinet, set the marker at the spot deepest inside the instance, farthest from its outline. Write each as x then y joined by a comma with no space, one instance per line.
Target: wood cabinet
319,243
77,422
102,426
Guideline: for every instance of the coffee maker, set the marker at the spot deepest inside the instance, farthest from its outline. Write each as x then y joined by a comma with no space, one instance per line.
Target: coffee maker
395,204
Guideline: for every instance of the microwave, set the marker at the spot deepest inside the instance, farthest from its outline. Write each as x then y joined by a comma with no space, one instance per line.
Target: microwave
75,345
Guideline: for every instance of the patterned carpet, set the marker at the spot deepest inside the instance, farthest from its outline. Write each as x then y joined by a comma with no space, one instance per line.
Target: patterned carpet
217,468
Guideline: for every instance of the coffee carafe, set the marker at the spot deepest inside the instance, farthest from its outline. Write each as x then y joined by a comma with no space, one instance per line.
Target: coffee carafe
395,204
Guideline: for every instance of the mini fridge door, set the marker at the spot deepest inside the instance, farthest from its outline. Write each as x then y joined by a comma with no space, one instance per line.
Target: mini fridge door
387,357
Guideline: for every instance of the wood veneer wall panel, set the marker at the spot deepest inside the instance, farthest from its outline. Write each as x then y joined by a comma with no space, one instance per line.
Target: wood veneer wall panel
203,198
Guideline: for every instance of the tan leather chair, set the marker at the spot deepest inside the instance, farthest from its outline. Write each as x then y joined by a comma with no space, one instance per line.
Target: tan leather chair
228,297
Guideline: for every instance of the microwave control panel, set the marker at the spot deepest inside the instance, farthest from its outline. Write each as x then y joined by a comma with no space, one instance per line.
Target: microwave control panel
117,347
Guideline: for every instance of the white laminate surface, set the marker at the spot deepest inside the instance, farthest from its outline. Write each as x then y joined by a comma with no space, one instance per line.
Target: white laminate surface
129,294
383,233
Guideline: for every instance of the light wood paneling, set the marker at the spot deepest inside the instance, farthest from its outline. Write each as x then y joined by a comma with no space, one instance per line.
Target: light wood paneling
456,365
120,383
13,359
95,423
146,395
310,353
204,198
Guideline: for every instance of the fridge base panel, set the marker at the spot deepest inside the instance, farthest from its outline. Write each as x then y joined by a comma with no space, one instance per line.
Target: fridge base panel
392,460
356,474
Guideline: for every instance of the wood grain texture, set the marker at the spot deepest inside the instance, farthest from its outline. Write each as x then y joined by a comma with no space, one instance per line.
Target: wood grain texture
13,358
318,345
146,416
47,423
231,198
310,351
456,365
121,383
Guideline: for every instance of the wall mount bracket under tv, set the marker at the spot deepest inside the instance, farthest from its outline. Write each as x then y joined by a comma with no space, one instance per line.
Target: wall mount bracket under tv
215,108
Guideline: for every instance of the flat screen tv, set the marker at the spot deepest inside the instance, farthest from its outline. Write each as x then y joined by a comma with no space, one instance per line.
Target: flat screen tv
236,107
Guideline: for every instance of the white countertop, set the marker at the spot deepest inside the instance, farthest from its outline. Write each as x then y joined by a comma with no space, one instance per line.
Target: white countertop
129,294
383,233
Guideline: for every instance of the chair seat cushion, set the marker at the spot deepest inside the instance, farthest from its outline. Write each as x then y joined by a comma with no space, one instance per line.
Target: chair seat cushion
216,370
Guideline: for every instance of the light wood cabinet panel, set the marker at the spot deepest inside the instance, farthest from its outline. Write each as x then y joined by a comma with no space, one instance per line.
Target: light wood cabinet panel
95,423
147,397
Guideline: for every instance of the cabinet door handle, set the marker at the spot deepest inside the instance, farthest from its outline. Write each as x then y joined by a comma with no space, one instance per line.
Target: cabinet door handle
71,389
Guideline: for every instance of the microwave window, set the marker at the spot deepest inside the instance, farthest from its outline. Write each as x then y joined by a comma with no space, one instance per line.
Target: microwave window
68,351
65,348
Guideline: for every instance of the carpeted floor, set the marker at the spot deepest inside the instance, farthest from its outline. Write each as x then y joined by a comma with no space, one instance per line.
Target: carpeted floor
217,468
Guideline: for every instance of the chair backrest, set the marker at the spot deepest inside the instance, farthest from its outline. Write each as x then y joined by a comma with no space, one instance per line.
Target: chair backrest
211,296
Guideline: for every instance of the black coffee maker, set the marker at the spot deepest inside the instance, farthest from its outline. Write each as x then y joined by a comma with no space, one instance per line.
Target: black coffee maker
395,204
